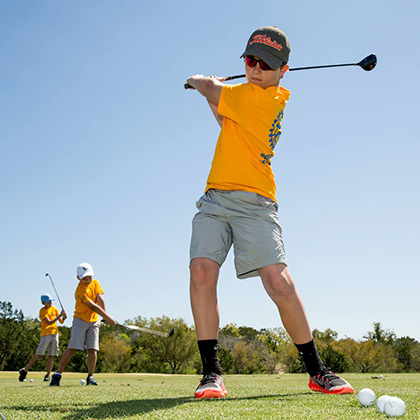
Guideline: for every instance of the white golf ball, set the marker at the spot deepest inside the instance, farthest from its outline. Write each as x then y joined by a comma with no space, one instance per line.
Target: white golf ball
394,407
31,380
24,380
82,381
380,404
366,397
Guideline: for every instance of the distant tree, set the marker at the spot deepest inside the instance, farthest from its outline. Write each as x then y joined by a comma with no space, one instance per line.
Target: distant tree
327,336
329,351
10,327
380,335
225,359
175,354
369,356
115,353
248,333
334,357
18,337
230,330
404,352
245,358
415,358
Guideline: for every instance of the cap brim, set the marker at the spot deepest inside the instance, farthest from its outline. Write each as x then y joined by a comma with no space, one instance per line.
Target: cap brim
86,273
273,62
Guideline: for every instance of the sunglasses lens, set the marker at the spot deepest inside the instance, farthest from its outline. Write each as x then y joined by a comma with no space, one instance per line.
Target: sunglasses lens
264,66
252,62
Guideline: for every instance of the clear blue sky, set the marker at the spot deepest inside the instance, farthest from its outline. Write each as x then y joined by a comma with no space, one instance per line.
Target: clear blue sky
104,155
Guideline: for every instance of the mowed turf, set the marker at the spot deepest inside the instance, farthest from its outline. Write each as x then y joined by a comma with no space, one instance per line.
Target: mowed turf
138,396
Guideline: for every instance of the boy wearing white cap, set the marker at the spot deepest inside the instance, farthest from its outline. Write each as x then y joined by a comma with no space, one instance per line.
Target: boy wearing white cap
49,315
239,208
85,329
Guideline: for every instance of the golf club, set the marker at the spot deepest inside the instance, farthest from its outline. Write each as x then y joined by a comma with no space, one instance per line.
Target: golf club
56,293
147,330
367,64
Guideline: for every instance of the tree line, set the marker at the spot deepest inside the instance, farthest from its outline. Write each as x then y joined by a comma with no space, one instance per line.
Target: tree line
242,350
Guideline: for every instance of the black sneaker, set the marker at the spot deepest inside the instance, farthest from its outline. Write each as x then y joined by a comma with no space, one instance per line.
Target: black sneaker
329,383
211,386
47,378
55,380
90,380
22,374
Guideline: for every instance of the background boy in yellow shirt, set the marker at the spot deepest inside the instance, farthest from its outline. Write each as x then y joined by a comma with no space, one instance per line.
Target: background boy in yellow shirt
85,329
239,207
49,315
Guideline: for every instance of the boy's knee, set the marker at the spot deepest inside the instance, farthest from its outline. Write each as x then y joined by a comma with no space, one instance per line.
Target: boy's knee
280,287
203,272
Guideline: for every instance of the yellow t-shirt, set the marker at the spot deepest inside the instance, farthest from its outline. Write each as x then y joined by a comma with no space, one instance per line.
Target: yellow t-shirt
250,131
87,293
50,313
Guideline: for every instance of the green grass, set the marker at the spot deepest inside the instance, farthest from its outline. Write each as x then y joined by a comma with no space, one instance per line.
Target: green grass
135,396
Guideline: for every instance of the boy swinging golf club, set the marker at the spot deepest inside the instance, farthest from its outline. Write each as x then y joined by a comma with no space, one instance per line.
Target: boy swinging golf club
85,329
239,207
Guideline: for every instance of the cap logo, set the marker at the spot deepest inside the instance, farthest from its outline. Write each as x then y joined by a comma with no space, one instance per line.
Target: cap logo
84,268
264,39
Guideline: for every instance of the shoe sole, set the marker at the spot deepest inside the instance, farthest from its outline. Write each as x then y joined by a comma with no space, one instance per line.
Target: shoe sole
211,393
342,390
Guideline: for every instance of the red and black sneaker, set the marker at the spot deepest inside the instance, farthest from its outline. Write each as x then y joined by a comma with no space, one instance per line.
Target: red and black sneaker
329,383
211,386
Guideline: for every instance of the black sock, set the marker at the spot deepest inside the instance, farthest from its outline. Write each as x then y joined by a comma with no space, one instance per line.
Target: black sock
310,355
208,352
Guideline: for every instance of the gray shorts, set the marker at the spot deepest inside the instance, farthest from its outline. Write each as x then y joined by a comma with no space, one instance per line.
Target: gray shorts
248,221
49,342
84,335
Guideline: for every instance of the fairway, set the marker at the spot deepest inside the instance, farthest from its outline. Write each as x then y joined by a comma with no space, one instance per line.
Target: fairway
135,396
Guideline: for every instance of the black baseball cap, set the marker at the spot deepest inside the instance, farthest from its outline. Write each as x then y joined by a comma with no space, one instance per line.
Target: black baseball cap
270,44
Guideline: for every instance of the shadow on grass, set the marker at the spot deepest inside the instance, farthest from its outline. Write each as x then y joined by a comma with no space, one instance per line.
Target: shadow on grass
144,406
117,409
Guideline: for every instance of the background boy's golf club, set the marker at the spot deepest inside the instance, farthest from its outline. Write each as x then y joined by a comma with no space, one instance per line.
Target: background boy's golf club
56,293
146,330
367,64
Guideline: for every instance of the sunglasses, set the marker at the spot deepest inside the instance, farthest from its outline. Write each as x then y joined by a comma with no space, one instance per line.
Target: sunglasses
252,62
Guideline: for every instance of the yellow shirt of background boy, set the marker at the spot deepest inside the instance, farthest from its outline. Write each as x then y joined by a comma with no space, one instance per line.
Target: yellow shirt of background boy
250,131
83,294
50,313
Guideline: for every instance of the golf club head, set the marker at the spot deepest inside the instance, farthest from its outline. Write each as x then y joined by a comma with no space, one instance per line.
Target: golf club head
368,63
172,332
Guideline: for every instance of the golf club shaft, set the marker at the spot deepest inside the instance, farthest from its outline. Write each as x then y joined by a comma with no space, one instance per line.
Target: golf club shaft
146,330
368,63
323,66
240,76
53,285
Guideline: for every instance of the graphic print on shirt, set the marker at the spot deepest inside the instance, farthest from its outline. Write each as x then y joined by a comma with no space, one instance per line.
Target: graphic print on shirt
275,130
274,138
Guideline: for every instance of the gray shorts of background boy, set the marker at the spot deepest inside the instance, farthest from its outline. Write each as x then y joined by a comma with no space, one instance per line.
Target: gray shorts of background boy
50,343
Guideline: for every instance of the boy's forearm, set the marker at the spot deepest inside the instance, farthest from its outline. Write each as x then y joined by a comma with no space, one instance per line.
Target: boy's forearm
100,301
96,308
210,87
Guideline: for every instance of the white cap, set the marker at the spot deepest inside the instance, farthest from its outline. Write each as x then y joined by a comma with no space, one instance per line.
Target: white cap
84,269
